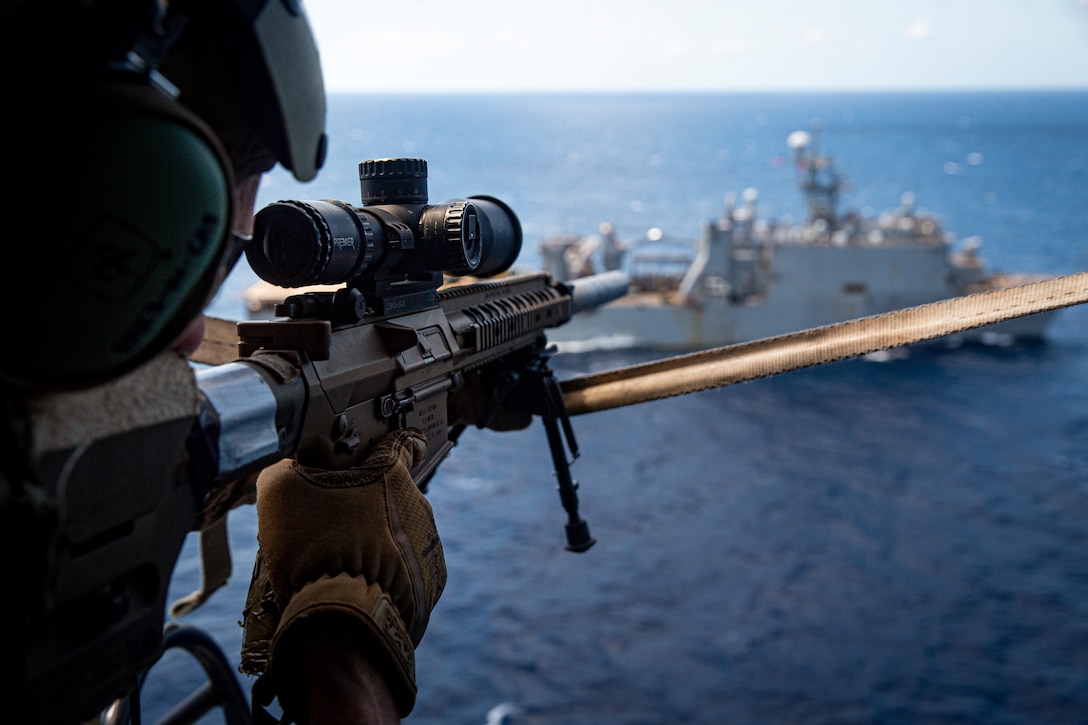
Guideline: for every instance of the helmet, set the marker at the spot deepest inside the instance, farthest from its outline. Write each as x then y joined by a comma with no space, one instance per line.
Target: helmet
127,143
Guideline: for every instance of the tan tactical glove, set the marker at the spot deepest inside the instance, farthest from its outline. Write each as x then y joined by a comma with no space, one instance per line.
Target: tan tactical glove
360,544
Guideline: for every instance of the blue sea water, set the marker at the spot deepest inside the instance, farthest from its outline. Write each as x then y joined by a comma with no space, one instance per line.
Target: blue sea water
881,542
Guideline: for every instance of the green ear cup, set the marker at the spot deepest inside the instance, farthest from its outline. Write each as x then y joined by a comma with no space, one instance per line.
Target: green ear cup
126,261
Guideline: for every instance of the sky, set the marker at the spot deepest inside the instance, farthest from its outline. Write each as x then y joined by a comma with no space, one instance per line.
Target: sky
700,45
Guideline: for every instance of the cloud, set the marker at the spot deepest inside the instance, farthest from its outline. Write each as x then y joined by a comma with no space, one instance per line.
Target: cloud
918,30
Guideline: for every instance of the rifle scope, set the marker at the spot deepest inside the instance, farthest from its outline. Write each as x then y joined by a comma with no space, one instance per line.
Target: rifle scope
394,233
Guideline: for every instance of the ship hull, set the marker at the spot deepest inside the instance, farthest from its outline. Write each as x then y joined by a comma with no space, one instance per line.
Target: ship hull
808,287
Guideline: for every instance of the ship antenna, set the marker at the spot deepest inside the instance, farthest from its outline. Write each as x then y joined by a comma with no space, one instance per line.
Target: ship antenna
820,181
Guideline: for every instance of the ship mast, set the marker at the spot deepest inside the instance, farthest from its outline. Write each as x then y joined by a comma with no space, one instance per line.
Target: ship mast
819,180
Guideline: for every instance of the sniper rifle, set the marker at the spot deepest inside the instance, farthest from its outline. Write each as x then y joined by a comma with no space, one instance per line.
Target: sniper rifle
390,349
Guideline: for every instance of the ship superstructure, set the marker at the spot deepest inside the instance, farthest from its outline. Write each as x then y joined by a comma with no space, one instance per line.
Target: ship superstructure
749,277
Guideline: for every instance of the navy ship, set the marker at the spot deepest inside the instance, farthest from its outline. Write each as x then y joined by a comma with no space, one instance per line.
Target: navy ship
748,278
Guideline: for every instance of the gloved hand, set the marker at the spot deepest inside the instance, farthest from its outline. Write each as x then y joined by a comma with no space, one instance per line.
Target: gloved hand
360,545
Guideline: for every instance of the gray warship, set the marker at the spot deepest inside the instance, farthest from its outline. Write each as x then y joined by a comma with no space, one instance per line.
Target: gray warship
748,278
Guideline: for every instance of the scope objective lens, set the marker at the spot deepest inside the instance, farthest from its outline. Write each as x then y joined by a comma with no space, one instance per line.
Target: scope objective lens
299,243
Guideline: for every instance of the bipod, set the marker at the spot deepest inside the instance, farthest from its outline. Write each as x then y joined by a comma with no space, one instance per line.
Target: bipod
530,385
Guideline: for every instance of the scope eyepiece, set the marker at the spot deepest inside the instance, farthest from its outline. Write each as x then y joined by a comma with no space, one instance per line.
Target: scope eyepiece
395,234
455,229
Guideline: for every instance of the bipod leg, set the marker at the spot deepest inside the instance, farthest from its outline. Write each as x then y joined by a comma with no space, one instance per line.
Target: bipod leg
557,426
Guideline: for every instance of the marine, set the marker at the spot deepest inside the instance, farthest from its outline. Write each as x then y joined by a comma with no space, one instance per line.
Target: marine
162,116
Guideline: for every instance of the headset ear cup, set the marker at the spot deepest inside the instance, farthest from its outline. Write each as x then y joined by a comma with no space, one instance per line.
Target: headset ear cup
132,255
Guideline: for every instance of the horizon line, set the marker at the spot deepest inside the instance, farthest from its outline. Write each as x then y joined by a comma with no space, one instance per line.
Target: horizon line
708,91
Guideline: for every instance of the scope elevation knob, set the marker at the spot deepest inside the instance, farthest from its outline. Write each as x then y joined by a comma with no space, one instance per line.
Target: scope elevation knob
393,181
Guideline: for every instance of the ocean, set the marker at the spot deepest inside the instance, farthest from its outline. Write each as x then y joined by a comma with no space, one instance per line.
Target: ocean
865,542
